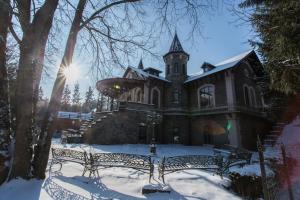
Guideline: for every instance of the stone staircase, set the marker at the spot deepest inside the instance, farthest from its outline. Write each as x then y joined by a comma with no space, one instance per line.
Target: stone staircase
94,120
271,138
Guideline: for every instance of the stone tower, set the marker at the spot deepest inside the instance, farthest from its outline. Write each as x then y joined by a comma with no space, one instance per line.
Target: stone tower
176,122
176,72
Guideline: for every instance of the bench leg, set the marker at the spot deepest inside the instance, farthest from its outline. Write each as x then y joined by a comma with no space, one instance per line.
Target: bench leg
84,170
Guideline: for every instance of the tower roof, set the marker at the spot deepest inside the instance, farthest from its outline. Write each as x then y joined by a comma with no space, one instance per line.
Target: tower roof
176,46
141,65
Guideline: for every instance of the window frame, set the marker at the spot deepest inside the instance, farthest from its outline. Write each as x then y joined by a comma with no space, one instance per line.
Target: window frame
213,96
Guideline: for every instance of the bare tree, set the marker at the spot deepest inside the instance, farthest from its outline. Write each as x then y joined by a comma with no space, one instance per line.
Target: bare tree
35,25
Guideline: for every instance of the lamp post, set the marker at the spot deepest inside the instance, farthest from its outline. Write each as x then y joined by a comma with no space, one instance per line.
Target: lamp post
153,118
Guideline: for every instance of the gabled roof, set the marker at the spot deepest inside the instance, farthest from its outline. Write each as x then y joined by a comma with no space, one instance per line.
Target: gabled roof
226,64
152,69
142,74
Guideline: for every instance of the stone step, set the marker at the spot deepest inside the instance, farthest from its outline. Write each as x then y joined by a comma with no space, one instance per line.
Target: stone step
274,132
271,138
269,141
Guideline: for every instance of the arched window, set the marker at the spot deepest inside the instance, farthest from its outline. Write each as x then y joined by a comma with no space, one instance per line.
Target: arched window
206,96
246,95
138,95
129,96
253,97
155,97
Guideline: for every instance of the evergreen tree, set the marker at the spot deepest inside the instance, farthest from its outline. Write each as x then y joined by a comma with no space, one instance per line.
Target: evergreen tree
76,98
277,24
89,97
66,99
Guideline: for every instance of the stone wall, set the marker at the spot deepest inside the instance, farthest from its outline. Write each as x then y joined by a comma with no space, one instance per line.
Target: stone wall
120,127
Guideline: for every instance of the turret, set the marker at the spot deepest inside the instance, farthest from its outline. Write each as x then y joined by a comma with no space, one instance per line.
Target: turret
176,61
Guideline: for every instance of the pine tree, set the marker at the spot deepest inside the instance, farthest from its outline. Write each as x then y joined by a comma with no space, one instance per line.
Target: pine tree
89,96
76,98
66,99
277,24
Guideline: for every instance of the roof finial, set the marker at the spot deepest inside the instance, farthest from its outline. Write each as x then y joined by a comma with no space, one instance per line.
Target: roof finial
141,66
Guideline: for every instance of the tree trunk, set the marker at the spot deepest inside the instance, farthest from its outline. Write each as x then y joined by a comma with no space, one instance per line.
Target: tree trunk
43,147
32,48
4,100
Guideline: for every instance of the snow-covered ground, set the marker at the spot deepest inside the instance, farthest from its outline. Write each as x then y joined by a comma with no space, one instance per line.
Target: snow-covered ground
121,183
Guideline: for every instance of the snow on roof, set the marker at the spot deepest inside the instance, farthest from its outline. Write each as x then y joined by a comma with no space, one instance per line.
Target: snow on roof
226,64
73,115
144,74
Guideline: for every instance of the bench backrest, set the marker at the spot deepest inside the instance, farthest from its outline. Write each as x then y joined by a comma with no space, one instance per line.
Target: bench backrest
130,160
69,154
191,161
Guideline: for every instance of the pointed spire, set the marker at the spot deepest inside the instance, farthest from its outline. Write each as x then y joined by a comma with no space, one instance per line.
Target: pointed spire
141,66
175,46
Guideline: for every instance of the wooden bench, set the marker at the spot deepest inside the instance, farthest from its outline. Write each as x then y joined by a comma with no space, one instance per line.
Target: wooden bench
67,155
177,163
106,160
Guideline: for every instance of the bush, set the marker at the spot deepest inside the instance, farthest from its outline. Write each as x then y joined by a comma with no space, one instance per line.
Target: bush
249,187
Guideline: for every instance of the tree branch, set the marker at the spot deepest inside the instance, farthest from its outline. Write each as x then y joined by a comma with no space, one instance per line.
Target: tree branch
94,15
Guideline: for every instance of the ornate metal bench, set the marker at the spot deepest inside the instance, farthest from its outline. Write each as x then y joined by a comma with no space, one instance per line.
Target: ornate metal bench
105,160
177,163
67,155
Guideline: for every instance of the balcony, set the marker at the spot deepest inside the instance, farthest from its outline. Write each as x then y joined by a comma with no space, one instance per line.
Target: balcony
221,109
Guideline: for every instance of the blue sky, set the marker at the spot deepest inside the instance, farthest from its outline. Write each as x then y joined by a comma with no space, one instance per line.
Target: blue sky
222,38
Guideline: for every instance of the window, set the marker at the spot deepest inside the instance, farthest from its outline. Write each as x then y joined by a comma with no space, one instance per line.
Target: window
176,96
183,69
206,96
249,96
175,69
155,97
168,69
246,95
253,97
139,96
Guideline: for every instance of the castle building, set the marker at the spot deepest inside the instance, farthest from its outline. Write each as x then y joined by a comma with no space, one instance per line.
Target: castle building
221,105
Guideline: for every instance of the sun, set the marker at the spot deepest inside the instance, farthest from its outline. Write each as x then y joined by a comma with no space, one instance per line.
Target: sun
71,73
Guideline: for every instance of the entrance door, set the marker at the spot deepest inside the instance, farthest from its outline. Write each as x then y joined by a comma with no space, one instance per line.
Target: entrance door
142,134
176,135
208,139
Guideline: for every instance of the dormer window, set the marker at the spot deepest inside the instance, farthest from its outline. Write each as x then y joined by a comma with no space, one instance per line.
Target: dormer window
207,67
